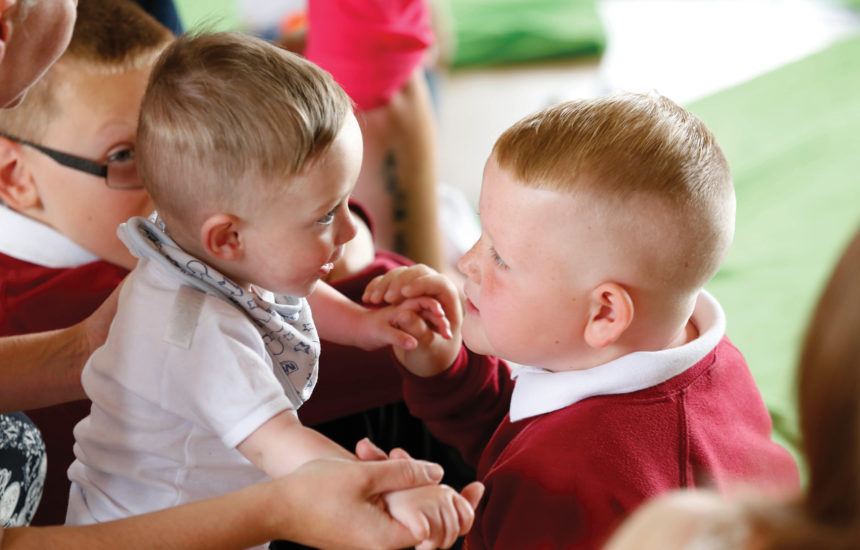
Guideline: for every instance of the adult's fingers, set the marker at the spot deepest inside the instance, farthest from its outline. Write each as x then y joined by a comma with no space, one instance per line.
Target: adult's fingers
394,475
366,450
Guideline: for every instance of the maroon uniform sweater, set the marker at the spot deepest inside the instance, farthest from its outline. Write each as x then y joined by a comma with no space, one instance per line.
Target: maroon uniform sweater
565,479
35,298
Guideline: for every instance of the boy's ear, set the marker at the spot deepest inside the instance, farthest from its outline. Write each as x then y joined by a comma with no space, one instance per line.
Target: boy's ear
220,237
17,187
610,312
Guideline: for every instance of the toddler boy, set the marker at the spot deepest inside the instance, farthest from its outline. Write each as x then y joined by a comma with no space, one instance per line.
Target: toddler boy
602,221
67,180
250,155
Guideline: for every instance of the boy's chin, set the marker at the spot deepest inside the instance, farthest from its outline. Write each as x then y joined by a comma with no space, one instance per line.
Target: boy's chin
475,340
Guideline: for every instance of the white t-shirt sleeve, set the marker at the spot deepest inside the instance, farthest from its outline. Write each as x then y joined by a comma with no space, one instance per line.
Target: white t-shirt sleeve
224,380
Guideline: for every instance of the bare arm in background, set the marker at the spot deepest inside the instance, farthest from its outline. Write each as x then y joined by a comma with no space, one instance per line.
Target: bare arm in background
397,183
44,368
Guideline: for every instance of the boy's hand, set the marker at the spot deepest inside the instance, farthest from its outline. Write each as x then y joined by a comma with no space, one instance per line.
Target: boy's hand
436,351
413,281
435,514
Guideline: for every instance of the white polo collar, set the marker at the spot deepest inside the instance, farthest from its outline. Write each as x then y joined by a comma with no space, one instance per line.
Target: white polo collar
538,391
31,241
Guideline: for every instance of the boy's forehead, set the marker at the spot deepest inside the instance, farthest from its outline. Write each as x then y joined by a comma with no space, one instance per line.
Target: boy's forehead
92,103
505,197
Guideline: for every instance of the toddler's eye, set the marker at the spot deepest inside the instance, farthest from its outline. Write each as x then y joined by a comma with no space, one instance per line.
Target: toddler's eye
328,218
123,155
497,259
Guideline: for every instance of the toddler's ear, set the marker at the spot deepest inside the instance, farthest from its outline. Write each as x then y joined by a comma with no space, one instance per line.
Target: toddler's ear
610,312
220,237
17,187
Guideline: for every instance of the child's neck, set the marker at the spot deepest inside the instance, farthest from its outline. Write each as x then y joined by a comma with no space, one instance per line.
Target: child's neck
687,334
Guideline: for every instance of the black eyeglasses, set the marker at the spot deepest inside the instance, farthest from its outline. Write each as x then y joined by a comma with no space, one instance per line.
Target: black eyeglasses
120,172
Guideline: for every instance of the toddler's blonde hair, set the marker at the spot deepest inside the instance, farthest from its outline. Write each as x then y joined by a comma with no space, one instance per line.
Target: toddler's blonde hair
228,117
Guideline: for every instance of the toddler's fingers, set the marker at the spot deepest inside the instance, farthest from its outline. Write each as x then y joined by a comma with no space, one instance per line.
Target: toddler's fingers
430,311
402,338
423,305
473,493
451,521
443,527
397,452
466,509
412,325
439,325
418,525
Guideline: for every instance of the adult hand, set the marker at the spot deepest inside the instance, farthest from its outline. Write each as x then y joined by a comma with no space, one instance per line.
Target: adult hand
325,503
366,450
335,503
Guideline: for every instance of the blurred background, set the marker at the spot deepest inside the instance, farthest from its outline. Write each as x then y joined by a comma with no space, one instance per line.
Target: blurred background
778,81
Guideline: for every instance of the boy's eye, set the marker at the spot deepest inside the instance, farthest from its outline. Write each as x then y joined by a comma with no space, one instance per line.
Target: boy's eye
497,259
123,155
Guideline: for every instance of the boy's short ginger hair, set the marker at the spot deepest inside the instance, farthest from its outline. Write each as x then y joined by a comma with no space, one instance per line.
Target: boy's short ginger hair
225,111
627,151
109,36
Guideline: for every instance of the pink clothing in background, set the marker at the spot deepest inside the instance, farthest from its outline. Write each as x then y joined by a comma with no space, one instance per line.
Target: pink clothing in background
371,47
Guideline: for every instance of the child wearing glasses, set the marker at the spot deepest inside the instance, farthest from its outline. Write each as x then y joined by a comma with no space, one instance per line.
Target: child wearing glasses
67,179
67,172
250,154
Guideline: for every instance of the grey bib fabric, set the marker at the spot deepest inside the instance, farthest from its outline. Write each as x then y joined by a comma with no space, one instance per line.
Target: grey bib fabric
285,324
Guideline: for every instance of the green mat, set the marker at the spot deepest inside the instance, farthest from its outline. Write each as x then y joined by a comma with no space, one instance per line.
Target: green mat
792,138
221,15
485,32
491,32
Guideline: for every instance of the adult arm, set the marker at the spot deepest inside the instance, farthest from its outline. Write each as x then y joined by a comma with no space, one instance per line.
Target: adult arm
375,51
398,176
41,369
325,503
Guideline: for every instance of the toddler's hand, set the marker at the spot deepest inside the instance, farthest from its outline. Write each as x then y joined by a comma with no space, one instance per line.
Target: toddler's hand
435,514
394,324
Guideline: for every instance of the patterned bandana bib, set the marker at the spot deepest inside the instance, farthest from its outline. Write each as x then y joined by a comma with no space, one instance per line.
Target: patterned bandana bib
285,323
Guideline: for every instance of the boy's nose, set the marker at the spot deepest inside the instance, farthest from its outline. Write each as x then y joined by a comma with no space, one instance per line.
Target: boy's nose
467,264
